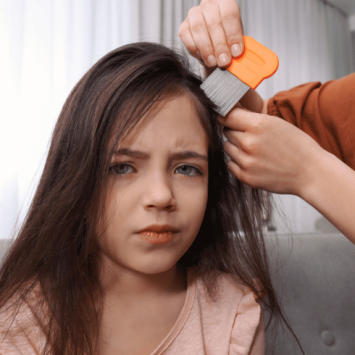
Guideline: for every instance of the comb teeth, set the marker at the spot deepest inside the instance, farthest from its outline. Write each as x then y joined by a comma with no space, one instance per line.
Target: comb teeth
224,90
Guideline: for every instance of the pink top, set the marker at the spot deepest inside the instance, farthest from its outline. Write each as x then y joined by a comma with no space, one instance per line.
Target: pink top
232,325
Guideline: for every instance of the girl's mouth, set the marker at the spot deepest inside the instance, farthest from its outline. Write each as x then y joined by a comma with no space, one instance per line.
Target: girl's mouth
158,233
157,237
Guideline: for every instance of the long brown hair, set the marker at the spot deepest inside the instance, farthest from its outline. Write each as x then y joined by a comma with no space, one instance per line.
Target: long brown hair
56,250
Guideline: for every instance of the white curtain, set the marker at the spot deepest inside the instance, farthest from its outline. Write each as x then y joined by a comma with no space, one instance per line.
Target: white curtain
311,39
159,21
47,45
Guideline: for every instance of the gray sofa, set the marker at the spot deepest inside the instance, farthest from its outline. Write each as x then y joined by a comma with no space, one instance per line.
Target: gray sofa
314,276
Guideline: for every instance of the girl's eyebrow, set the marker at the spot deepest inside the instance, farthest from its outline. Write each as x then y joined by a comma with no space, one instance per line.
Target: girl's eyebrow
176,156
132,153
189,154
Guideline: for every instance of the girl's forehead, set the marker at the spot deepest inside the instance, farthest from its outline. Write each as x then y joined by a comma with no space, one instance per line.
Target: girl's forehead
171,122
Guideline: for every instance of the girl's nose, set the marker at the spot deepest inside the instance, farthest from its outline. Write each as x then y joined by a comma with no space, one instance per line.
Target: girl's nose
158,194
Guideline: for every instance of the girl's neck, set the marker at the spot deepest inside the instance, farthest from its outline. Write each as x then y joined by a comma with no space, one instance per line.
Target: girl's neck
141,308
123,282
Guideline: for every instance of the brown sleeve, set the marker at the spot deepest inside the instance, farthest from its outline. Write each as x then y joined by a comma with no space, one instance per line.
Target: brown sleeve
326,112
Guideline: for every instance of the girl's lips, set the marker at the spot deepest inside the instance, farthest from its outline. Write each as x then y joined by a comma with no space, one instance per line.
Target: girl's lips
156,237
158,233
159,228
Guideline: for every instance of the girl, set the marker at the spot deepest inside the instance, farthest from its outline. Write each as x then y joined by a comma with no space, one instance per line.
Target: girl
138,239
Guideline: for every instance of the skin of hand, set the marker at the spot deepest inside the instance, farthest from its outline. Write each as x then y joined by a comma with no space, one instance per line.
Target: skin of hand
213,34
271,154
262,151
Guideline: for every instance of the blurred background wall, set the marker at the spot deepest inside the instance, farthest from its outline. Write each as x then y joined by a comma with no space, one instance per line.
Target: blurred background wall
47,45
352,30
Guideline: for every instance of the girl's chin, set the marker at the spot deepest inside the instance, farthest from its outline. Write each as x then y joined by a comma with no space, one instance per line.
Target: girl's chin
156,267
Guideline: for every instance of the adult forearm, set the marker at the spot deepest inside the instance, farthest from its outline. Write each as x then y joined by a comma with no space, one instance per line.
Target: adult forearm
332,192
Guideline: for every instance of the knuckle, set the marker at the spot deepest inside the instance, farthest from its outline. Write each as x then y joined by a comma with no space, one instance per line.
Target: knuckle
246,163
232,137
249,144
257,124
230,8
183,27
228,148
233,169
193,11
213,25
206,49
232,37
197,26
207,4
232,116
237,172
220,46
231,16
182,31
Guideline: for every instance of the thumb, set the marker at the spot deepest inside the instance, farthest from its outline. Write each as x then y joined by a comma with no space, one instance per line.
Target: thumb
237,119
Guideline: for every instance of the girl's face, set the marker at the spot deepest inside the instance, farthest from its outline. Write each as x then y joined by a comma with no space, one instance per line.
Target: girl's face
158,189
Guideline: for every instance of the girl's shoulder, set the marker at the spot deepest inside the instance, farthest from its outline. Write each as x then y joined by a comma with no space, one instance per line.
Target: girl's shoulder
231,310
223,286
22,325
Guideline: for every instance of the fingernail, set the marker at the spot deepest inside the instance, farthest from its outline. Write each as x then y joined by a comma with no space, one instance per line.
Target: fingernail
236,50
223,59
211,59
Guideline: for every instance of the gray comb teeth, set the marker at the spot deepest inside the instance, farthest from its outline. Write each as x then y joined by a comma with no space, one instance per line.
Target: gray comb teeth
224,89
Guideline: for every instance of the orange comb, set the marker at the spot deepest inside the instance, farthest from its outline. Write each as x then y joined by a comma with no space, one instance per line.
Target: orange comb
225,87
255,64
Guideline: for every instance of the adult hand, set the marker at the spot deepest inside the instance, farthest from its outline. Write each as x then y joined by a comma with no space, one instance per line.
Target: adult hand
213,33
269,153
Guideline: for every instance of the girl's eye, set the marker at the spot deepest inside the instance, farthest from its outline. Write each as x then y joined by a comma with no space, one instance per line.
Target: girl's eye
121,169
188,170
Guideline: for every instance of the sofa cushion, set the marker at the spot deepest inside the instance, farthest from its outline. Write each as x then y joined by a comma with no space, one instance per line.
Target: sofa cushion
314,277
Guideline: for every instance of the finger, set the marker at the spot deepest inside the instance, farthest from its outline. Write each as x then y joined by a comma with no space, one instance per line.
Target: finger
237,119
233,152
242,175
216,32
236,170
233,27
234,137
234,165
201,38
187,40
246,163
